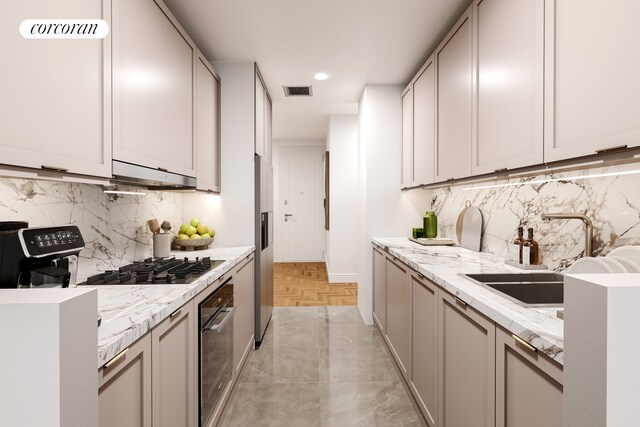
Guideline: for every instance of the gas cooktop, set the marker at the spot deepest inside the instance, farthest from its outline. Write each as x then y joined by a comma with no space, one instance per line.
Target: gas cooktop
168,271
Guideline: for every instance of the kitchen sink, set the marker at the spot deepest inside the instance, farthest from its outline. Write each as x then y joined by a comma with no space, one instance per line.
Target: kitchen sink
525,289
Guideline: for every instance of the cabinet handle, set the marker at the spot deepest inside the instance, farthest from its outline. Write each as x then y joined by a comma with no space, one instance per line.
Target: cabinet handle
450,179
500,170
162,169
53,169
460,302
117,358
607,150
524,343
175,313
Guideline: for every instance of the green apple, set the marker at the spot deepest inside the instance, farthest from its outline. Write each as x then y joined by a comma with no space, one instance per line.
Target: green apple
195,236
205,235
191,230
195,222
182,236
202,229
183,228
211,231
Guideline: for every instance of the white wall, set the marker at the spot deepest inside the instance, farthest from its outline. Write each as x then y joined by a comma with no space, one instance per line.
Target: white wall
342,237
232,213
278,205
384,210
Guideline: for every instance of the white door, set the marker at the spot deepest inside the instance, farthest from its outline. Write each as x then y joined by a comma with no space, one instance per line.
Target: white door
301,203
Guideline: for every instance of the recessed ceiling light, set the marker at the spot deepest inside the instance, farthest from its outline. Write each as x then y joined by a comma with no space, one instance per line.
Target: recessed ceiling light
321,76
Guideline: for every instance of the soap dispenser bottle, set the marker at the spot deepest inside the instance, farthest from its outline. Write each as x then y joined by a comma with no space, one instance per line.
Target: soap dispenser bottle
517,246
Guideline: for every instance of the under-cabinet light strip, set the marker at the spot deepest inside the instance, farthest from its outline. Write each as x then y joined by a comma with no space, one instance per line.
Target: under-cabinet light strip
542,181
131,193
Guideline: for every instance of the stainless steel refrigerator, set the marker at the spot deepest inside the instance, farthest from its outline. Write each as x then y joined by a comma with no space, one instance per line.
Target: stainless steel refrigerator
264,246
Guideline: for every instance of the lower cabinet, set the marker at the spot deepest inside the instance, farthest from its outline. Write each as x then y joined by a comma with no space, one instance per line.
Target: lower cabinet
173,345
380,290
398,315
424,348
528,385
124,387
243,322
462,369
466,356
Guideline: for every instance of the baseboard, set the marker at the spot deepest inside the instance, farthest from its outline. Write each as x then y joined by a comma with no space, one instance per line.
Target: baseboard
343,278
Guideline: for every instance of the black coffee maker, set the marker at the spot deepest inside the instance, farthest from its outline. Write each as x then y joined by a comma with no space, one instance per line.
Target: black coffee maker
42,257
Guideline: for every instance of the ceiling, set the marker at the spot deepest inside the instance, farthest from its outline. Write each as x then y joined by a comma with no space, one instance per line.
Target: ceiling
356,42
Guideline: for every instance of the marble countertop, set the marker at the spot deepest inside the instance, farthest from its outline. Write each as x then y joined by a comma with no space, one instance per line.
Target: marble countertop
130,311
443,265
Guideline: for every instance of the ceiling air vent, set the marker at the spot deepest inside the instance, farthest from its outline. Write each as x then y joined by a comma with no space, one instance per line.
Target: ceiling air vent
297,91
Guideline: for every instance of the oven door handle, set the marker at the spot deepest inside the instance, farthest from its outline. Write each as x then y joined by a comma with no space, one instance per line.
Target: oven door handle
217,327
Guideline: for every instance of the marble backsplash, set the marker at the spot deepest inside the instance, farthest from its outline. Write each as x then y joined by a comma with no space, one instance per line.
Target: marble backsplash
612,203
113,226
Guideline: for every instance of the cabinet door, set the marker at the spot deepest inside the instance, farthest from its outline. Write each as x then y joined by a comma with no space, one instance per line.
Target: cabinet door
259,116
243,321
152,88
124,393
407,137
398,315
56,94
591,77
454,86
509,58
173,343
528,385
424,125
267,128
207,126
380,290
424,346
466,356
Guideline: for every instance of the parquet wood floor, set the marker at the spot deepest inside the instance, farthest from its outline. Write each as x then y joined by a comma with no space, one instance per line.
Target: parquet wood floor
307,284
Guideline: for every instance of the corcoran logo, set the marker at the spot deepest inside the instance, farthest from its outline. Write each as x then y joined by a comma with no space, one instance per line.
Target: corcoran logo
64,29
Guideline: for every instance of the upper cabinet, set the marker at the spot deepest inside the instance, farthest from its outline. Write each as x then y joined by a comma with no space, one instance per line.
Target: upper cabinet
268,117
592,66
407,137
523,83
153,85
56,94
509,61
207,126
263,118
454,86
424,124
259,115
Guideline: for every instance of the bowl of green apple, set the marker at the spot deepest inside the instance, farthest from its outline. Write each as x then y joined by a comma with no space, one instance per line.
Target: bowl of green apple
194,235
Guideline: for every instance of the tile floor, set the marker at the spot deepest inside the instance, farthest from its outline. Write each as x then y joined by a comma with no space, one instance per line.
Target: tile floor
320,366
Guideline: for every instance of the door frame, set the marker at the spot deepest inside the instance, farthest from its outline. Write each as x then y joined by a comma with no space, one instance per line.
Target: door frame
278,210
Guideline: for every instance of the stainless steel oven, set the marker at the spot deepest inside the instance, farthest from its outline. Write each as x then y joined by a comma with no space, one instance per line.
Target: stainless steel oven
216,347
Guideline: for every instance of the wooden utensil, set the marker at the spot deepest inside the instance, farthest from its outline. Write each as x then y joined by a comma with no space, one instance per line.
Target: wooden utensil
166,226
154,226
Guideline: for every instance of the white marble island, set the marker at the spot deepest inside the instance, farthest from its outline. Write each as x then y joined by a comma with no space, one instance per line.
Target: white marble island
443,265
128,312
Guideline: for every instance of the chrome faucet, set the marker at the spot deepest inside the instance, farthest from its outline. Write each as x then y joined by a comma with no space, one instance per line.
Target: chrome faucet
588,227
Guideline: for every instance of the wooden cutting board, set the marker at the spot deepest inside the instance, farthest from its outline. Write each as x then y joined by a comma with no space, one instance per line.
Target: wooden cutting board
471,235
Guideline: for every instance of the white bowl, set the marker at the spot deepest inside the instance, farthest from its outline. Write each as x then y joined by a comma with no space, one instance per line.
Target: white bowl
590,266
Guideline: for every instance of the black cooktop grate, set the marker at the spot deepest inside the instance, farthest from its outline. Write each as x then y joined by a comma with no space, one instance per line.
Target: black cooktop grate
161,272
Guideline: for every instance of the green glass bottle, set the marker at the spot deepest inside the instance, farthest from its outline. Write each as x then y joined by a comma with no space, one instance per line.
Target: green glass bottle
430,224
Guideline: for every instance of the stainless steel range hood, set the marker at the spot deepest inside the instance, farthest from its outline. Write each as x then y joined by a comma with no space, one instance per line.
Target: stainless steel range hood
157,179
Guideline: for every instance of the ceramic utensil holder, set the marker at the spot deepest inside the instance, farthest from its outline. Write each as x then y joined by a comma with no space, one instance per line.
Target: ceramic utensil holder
162,245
